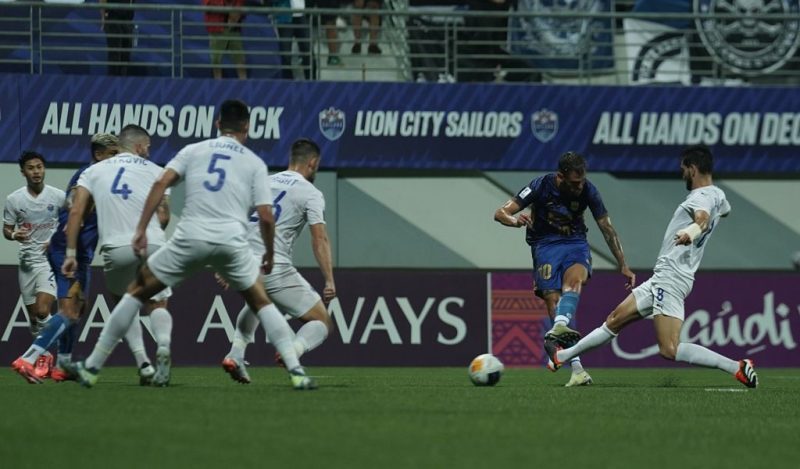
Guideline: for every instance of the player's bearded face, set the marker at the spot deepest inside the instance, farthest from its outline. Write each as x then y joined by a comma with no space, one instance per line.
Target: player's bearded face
33,171
686,173
572,183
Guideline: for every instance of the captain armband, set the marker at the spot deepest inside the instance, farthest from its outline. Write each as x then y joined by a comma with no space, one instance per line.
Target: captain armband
692,230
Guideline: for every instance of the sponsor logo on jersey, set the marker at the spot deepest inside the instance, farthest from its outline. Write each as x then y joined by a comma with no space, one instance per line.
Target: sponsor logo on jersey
332,123
544,125
748,44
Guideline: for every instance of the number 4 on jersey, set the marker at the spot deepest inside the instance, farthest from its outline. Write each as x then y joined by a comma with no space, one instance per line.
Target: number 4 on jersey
120,190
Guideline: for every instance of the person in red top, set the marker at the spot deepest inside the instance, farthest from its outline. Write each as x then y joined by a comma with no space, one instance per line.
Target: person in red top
225,36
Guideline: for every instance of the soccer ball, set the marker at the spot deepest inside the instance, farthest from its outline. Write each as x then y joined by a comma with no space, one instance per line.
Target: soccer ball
485,370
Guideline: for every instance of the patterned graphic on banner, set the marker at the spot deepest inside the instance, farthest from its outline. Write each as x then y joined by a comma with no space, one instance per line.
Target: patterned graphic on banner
747,44
656,53
563,42
519,321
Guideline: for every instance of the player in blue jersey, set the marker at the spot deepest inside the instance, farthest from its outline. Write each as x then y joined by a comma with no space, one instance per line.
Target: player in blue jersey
71,292
556,233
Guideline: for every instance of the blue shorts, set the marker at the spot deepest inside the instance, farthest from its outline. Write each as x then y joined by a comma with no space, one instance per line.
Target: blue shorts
551,259
69,287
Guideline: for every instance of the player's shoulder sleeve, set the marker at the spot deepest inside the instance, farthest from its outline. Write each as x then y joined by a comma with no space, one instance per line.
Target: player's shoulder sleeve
704,199
528,194
85,178
58,195
10,211
260,188
179,162
595,202
315,206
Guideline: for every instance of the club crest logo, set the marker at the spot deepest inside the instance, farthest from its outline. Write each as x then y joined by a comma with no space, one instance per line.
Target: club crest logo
748,44
50,207
332,123
544,125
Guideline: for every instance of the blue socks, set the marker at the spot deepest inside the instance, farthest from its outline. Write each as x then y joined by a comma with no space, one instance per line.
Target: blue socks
55,327
566,307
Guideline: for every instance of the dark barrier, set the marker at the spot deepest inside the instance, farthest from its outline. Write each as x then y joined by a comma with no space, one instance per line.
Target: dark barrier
414,318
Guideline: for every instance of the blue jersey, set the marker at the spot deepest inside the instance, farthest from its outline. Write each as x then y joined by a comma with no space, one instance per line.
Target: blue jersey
88,237
558,216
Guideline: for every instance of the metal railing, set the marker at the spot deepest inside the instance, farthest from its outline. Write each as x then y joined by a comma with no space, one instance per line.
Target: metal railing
613,47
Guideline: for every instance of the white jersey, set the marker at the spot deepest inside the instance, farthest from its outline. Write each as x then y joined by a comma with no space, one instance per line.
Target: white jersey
677,264
295,202
39,215
119,186
224,181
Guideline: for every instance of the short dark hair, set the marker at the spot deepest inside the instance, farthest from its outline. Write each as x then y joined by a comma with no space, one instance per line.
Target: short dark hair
700,156
130,133
234,115
28,155
303,150
571,162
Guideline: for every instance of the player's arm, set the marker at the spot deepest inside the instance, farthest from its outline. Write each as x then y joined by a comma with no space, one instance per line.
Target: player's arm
615,246
167,179
162,212
266,225
322,251
509,215
9,224
81,201
685,236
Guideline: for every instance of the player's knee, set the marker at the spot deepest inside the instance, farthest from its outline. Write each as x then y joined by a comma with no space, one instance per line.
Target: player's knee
614,321
667,350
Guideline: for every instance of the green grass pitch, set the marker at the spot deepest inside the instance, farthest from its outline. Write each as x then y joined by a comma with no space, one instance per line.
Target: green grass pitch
404,418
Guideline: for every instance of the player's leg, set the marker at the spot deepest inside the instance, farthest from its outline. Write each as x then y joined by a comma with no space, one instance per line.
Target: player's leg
668,320
161,323
234,363
125,312
624,314
296,297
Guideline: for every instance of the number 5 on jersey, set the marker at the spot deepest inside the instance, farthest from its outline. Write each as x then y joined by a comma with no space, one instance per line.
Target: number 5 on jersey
213,168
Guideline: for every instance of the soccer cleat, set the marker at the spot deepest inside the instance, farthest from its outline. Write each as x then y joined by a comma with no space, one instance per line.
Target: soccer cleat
747,373
552,347
26,370
236,369
146,372
562,334
43,365
579,379
301,381
163,364
86,377
58,375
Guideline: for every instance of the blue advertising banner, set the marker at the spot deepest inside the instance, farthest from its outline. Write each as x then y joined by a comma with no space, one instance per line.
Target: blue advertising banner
409,125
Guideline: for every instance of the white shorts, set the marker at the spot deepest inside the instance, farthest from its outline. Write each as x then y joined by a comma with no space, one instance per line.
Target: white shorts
180,258
653,298
290,292
120,266
34,279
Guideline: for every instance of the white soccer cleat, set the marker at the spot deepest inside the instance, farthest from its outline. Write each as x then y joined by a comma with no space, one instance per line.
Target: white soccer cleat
146,373
163,364
301,381
236,369
579,379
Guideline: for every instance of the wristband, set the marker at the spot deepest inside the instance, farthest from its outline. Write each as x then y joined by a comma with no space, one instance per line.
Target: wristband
692,230
71,252
14,235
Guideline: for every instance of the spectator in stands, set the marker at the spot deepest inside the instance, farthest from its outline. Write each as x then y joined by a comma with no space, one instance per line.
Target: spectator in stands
117,23
291,27
374,27
225,36
329,26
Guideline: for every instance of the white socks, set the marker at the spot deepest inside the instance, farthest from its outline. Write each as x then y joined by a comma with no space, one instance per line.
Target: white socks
310,336
280,334
246,324
126,311
592,340
161,323
694,354
133,336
